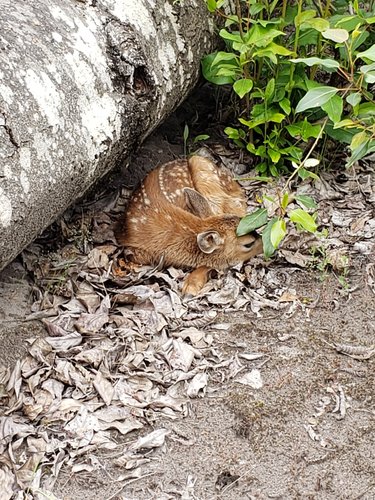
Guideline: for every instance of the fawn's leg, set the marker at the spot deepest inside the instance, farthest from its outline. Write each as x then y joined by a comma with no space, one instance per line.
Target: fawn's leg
196,280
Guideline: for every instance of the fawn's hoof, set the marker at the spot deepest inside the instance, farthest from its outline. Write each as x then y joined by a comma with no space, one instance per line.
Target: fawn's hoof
191,288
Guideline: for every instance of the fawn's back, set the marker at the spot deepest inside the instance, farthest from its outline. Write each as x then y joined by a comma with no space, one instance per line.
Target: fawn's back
186,213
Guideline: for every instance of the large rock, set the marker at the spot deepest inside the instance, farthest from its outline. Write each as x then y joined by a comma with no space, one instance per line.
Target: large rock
81,84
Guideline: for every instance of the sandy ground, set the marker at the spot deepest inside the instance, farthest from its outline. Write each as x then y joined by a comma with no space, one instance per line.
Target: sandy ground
241,443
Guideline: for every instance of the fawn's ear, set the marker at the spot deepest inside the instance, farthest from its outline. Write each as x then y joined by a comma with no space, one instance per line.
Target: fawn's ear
197,204
209,241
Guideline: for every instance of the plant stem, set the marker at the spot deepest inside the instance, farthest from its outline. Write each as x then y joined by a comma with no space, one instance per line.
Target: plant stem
283,10
248,17
239,16
306,157
327,9
296,38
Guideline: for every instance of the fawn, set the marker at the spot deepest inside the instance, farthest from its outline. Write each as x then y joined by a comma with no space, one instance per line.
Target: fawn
185,214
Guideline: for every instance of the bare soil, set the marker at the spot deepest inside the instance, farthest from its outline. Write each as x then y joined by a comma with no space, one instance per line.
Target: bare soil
307,432
241,443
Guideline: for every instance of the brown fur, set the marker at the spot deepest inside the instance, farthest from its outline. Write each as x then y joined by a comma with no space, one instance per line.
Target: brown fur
164,221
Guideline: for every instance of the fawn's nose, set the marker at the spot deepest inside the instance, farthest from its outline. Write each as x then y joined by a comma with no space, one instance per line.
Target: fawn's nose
252,243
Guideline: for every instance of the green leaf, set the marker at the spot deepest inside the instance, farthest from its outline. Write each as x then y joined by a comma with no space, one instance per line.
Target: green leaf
303,17
306,201
370,77
358,40
210,73
316,97
348,23
201,137
317,24
211,4
367,54
337,35
285,201
186,132
261,167
227,70
270,90
358,140
274,155
367,67
303,219
278,232
261,36
256,8
348,123
343,135
369,71
303,129
274,171
278,49
285,106
269,115
334,108
240,47
366,109
268,248
363,150
312,61
354,99
263,53
308,37
243,86
233,19
237,135
226,57
232,133
252,221
271,51
234,37
303,173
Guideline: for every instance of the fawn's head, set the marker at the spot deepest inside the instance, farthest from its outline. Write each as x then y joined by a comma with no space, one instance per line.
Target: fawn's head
218,242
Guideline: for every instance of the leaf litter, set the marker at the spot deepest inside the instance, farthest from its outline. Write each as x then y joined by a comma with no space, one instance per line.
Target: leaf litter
123,346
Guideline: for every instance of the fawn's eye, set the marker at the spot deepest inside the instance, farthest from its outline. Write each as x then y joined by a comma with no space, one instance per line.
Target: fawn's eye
249,245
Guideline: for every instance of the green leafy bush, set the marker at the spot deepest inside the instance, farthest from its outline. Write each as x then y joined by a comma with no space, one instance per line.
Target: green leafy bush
300,70
275,229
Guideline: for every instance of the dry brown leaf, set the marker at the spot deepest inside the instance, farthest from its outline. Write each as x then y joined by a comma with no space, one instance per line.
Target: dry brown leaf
80,430
130,461
64,343
87,295
198,383
154,439
252,378
7,481
37,404
104,388
97,259
181,355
